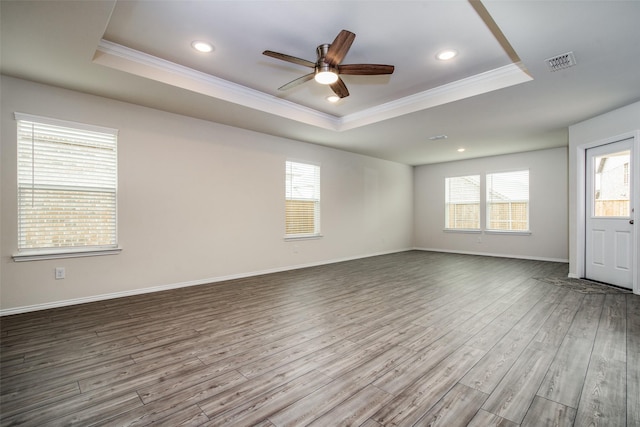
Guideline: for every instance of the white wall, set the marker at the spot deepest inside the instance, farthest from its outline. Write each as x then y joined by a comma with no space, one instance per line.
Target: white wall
548,207
198,202
581,135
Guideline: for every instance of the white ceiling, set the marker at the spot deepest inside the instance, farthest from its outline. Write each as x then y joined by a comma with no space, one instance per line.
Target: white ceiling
496,97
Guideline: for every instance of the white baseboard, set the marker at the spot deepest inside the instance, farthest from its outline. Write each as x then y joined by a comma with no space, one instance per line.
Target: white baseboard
141,291
533,258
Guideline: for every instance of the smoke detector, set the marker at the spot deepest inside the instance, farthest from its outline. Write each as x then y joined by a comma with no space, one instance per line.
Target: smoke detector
561,62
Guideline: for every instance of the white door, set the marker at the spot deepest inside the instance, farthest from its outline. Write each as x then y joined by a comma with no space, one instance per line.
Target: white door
609,223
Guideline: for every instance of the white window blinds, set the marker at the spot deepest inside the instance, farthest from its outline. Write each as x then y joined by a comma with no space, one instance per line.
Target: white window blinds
302,196
67,181
508,201
462,202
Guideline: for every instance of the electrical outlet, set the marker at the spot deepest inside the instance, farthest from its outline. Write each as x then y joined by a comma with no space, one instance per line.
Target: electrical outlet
60,273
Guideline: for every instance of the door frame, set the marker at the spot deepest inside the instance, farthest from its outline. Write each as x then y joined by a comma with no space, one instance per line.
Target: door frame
581,209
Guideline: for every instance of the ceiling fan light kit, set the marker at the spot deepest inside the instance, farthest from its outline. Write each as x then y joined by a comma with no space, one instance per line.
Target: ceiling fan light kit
327,68
326,77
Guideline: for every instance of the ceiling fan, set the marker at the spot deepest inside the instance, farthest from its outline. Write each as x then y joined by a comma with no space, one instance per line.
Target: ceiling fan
327,68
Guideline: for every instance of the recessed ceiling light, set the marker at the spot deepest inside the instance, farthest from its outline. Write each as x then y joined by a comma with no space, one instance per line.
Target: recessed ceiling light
201,46
445,55
333,98
461,150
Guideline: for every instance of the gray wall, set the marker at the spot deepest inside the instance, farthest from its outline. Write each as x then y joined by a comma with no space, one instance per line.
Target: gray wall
198,202
201,202
548,218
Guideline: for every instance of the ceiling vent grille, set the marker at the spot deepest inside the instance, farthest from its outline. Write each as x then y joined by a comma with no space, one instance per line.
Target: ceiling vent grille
561,62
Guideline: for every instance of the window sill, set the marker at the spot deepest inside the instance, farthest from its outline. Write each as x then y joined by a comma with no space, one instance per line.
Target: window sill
509,232
43,255
303,237
497,232
462,230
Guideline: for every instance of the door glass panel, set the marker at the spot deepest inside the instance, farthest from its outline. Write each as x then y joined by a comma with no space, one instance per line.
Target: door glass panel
612,185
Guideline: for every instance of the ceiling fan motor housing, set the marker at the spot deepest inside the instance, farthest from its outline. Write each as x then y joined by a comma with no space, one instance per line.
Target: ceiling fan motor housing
324,72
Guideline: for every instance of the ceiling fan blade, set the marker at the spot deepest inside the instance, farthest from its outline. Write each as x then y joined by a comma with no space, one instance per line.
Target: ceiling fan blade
339,88
289,58
297,81
339,48
366,69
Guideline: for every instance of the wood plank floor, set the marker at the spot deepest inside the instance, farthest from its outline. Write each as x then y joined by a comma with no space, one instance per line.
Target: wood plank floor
408,339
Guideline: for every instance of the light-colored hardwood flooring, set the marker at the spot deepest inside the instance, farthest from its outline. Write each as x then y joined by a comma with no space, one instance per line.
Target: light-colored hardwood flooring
414,338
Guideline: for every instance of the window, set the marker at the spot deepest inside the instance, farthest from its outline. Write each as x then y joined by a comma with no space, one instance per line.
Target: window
612,190
302,194
67,179
508,201
462,202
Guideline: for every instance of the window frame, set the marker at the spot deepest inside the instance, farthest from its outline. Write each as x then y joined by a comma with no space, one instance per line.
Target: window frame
447,204
484,206
317,201
70,251
488,204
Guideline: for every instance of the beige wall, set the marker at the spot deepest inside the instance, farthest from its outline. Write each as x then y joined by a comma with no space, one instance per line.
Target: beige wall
547,212
198,202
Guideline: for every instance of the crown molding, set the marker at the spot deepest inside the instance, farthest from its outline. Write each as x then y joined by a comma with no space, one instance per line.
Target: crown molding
129,60
132,61
488,81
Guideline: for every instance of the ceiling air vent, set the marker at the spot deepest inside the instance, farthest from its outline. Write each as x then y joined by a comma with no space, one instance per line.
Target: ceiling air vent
561,62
